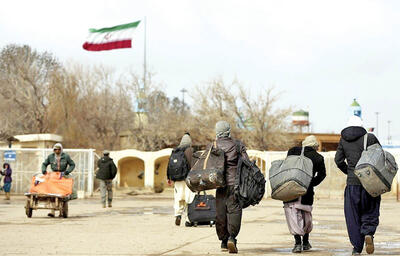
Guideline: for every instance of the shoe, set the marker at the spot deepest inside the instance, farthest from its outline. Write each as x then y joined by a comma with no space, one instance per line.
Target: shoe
104,205
232,245
224,246
297,248
50,215
355,252
369,244
178,220
306,246
188,224
109,205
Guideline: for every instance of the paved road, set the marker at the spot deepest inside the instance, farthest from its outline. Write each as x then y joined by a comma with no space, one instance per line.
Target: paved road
144,225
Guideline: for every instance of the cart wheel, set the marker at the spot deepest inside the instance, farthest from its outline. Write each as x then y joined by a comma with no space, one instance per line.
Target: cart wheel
211,223
65,209
195,224
28,209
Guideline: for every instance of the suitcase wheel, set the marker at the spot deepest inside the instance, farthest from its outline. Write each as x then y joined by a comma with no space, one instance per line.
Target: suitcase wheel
211,223
195,224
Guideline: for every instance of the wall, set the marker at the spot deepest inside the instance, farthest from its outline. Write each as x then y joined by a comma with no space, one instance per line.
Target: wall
155,165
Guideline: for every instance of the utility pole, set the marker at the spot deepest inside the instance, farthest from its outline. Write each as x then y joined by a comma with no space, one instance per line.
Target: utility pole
183,91
389,137
377,123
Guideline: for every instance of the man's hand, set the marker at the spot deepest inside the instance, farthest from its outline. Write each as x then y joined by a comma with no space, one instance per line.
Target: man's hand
169,182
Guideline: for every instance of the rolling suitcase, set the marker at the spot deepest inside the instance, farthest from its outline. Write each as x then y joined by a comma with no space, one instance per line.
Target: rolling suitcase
202,211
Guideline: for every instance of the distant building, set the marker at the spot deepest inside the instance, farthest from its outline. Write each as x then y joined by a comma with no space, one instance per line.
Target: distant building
300,119
327,141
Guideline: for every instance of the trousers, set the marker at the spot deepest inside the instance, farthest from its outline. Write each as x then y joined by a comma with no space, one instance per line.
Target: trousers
298,217
106,190
229,214
361,211
182,197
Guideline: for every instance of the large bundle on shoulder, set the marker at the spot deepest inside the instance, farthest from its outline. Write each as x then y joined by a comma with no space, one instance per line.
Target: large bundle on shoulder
208,172
249,183
376,169
52,183
290,178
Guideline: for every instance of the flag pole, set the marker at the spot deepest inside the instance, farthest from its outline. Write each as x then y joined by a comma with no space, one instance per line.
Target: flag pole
144,56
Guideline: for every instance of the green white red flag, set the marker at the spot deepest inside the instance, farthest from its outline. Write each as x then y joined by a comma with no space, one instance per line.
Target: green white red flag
116,37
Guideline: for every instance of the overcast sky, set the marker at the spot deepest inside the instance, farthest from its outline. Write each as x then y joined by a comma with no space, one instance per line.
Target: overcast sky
320,54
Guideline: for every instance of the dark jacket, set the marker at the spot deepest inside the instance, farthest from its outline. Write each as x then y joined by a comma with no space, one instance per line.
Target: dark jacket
229,146
319,171
351,145
65,161
107,169
7,173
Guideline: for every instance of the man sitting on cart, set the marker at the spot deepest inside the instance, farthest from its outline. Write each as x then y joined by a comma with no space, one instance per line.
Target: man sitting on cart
59,162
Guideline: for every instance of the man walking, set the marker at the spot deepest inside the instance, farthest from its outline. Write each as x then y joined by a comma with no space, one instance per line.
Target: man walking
229,212
298,211
59,162
106,173
179,165
360,208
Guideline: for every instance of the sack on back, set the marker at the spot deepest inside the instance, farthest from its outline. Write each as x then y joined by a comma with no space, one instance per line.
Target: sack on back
208,172
376,169
290,178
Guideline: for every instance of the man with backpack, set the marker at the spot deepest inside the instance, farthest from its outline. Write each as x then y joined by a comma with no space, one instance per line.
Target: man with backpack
179,165
361,209
229,211
298,211
106,173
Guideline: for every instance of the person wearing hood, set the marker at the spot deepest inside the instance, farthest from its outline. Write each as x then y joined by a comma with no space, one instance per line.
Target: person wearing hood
182,194
298,211
229,211
59,162
106,173
361,209
7,171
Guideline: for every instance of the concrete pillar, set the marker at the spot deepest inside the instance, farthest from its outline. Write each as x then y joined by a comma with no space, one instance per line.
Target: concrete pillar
149,173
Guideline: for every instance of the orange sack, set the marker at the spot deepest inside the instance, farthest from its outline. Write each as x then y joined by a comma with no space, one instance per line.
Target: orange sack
51,184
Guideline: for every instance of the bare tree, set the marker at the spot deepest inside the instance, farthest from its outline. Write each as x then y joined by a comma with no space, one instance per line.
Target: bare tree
256,121
25,78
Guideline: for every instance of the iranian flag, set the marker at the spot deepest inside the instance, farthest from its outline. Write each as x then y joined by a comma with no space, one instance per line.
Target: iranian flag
116,37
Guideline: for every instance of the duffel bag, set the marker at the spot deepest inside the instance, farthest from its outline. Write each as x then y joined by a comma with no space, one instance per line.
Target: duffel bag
208,172
375,169
290,178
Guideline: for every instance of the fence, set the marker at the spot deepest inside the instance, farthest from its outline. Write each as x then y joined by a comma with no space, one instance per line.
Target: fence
28,161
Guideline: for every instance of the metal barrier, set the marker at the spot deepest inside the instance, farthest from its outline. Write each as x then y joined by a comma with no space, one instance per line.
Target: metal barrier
28,161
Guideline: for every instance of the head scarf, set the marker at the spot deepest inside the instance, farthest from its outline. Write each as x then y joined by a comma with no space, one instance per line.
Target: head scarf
355,121
222,129
58,145
185,141
310,141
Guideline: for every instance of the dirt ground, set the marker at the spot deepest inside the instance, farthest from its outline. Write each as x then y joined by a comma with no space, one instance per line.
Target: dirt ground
144,225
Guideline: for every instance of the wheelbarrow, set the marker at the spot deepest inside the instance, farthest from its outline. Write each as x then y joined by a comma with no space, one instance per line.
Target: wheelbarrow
46,201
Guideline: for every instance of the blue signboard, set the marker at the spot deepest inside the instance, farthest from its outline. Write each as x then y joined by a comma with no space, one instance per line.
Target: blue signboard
10,155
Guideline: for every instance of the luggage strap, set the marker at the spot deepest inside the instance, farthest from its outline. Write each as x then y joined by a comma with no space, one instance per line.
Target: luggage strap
302,151
365,141
208,154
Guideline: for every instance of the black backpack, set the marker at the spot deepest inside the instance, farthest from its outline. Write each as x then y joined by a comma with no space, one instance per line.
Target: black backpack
249,183
178,166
